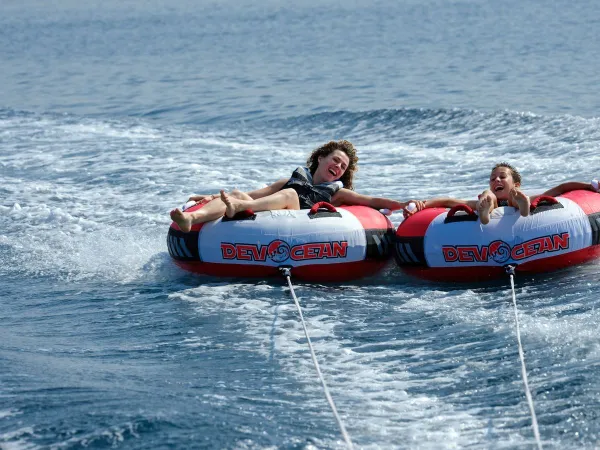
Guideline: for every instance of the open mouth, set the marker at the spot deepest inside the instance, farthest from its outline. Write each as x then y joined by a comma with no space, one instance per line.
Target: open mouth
498,188
333,172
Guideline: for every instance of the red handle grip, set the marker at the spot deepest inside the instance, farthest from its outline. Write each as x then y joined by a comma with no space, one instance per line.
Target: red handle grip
461,207
322,205
544,199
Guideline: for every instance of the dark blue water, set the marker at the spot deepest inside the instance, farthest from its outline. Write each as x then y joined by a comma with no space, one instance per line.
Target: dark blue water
210,62
112,113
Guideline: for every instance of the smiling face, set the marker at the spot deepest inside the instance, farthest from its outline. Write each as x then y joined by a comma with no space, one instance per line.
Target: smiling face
501,182
324,154
331,167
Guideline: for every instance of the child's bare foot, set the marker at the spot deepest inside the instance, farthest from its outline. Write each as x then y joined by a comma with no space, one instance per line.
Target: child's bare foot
233,205
184,221
484,206
522,201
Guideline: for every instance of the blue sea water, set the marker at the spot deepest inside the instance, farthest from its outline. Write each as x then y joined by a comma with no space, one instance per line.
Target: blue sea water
112,113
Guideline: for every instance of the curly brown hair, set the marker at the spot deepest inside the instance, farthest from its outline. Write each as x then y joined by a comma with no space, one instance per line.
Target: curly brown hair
515,173
346,146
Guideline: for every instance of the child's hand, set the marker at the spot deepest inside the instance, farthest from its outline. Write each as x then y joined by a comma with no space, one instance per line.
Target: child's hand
412,207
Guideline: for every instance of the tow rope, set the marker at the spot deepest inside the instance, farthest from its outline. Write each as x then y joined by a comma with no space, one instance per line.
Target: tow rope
287,273
510,270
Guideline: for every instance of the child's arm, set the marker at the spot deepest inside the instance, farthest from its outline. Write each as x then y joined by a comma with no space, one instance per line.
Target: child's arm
348,197
438,202
268,190
448,202
568,186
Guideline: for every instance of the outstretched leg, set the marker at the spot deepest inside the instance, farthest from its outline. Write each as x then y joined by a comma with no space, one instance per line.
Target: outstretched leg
239,194
521,201
211,211
285,199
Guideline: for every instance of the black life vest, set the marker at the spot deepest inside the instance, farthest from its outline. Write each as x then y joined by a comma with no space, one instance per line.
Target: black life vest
308,193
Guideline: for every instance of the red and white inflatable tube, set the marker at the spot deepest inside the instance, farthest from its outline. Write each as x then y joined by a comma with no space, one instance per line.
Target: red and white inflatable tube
441,245
337,244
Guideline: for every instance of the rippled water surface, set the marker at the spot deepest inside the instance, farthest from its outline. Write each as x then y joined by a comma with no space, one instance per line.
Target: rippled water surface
113,113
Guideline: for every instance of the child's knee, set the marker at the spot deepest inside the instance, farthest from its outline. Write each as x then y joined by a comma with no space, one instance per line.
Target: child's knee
291,198
240,195
290,193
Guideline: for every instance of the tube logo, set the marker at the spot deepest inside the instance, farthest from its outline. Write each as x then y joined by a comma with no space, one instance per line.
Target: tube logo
500,251
279,251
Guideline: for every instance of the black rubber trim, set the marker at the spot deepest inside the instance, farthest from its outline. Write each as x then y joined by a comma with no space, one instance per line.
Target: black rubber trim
461,217
238,217
410,251
379,243
546,207
595,224
320,214
183,246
